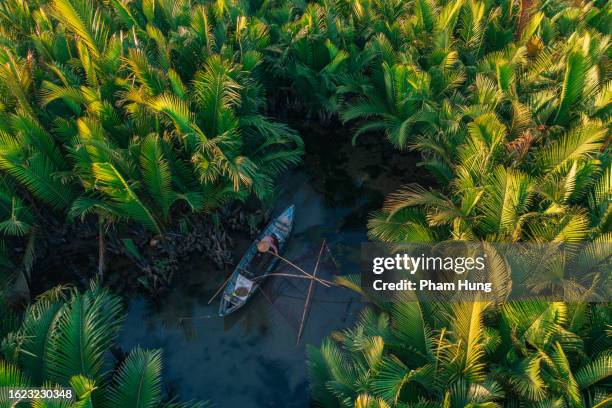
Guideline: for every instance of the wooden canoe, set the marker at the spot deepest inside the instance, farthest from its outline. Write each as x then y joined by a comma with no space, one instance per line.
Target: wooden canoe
242,283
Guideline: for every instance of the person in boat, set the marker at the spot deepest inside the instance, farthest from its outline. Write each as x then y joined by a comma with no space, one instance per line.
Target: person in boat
267,248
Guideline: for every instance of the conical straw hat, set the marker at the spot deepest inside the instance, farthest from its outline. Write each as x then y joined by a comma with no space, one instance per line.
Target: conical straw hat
263,246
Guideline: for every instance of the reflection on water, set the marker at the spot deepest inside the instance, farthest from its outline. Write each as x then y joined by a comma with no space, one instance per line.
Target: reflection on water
250,359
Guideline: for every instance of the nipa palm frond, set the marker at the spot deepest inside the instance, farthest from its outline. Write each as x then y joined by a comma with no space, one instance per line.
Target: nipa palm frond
137,384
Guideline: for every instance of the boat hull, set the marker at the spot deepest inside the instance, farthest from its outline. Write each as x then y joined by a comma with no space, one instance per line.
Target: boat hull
281,226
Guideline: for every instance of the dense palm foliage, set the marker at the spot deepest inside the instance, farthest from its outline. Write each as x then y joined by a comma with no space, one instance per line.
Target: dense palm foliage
63,340
132,111
473,354
509,107
138,112
512,120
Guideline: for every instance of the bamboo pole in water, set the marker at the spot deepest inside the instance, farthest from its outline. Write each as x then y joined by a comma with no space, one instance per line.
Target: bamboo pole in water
307,303
300,269
290,275
220,289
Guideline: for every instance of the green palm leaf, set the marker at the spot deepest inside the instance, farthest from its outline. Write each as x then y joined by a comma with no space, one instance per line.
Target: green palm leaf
367,401
581,142
86,329
110,182
573,83
79,17
595,371
216,93
83,387
138,381
467,324
410,327
11,376
35,173
156,174
507,197
38,328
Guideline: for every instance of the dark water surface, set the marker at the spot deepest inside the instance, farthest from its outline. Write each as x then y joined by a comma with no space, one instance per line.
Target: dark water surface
251,359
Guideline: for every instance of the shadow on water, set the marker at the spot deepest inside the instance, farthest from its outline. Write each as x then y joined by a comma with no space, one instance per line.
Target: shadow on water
250,359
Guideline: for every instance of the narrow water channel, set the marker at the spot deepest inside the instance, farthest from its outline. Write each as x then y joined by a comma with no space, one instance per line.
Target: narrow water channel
251,359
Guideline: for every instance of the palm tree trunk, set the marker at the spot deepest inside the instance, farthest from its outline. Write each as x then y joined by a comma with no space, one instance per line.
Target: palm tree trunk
101,248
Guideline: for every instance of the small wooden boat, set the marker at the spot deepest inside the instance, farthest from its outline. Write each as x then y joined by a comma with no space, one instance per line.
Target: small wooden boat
244,282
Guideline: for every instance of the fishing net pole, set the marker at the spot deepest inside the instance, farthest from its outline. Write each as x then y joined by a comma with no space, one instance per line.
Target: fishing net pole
297,286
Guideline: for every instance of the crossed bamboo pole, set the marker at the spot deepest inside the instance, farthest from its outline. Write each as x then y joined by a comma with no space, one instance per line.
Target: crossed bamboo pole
290,275
321,281
223,285
308,297
312,278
